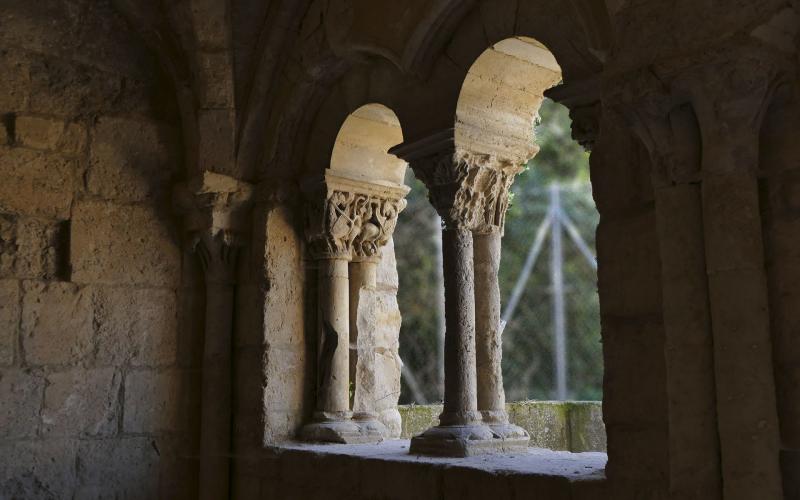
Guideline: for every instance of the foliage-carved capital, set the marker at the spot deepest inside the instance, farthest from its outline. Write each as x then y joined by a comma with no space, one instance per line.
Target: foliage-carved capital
351,219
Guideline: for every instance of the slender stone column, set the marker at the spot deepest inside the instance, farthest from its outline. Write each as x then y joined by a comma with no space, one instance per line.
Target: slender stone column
218,259
215,208
489,341
347,220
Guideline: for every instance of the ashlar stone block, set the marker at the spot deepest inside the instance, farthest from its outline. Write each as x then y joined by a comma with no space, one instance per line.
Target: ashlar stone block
114,244
151,401
31,248
81,402
9,320
135,325
36,183
56,323
20,403
38,132
130,160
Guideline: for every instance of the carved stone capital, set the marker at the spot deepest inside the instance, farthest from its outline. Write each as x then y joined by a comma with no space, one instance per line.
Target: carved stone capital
215,208
349,218
469,191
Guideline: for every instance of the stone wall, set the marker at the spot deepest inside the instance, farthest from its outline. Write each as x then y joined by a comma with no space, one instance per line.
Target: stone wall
92,366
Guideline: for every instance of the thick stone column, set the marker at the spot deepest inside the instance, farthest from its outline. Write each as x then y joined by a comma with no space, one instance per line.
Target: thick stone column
215,215
458,186
348,221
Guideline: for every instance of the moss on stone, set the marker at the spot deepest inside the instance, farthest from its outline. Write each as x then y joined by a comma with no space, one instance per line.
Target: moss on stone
555,425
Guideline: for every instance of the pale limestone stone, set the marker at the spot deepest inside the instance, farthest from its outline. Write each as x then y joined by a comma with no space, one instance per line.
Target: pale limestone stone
151,401
9,320
56,323
31,248
387,268
36,183
130,160
20,404
115,244
37,132
81,402
135,326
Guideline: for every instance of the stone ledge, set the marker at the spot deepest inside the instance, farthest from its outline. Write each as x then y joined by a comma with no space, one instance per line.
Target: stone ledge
387,469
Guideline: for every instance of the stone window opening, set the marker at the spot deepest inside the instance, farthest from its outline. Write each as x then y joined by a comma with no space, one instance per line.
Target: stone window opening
352,210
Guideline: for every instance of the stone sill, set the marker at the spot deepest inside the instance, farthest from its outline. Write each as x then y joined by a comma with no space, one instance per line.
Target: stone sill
389,465
575,426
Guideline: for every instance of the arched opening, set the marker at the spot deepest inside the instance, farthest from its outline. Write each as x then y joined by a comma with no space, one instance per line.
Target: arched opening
351,219
547,277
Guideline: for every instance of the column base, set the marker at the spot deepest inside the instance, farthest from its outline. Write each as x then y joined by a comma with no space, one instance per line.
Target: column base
344,432
514,438
456,441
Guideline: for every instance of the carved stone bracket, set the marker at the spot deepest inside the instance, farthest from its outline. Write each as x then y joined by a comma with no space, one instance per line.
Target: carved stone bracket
214,207
468,190
351,219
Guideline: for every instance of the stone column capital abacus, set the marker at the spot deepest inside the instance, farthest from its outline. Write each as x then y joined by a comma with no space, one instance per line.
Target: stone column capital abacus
469,190
350,218
214,205
215,210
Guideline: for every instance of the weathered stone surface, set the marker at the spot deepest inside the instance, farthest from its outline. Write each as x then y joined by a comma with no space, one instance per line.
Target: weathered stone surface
130,160
35,183
117,244
135,326
586,429
151,401
387,268
9,320
20,404
37,132
546,422
81,402
118,468
37,469
56,323
31,248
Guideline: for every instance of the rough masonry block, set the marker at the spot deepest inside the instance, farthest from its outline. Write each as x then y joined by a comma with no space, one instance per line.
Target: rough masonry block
20,404
32,248
81,402
130,160
36,183
56,323
151,401
38,133
135,325
114,244
9,320
37,469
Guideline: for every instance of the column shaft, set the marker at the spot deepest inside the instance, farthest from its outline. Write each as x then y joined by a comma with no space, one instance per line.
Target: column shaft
489,347
215,437
333,399
460,383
